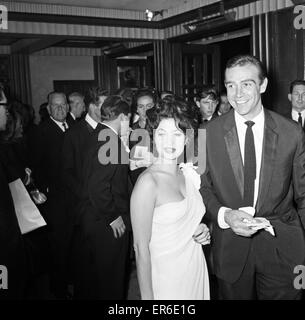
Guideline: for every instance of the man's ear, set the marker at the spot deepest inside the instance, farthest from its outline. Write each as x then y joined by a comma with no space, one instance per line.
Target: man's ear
264,85
197,103
289,97
48,108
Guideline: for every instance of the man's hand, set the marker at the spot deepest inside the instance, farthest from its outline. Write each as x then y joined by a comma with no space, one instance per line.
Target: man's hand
118,227
202,234
234,218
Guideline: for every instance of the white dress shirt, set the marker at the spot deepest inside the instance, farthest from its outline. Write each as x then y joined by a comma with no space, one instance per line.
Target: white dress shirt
258,133
295,116
92,123
72,115
60,124
208,119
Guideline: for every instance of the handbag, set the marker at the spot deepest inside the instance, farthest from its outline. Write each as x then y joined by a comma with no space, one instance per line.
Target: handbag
28,215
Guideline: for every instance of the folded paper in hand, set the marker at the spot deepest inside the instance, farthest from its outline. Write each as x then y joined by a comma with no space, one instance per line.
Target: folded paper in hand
28,215
257,223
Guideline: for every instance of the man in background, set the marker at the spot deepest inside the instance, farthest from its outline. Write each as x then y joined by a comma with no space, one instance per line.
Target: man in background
105,221
77,107
75,149
297,98
207,101
224,104
47,157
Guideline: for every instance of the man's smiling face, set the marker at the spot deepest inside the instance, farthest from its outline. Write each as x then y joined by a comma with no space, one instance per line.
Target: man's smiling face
244,89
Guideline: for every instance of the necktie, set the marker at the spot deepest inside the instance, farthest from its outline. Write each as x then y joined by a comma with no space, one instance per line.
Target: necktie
300,119
65,126
249,166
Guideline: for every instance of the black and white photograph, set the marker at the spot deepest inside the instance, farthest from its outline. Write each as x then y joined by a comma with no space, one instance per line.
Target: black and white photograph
152,150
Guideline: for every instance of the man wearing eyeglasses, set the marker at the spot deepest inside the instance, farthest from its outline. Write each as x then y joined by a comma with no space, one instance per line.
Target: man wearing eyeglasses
297,98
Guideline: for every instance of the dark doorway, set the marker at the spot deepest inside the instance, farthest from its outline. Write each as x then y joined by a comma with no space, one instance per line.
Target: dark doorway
231,48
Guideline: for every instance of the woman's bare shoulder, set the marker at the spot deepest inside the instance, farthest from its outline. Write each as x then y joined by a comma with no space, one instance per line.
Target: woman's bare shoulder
147,179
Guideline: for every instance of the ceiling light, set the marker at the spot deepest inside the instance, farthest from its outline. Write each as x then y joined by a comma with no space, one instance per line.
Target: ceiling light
151,14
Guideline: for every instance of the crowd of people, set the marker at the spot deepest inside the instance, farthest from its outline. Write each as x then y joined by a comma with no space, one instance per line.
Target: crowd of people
114,181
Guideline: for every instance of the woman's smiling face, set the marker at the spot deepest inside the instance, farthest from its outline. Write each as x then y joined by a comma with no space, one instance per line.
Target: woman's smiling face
169,140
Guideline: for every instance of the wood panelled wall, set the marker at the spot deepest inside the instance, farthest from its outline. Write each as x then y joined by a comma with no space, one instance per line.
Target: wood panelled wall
105,70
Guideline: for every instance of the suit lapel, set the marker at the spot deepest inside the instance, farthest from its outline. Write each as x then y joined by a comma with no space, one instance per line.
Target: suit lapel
233,149
55,128
268,156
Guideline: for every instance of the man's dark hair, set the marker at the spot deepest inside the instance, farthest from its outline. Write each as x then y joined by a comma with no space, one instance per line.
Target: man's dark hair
207,91
113,106
242,60
95,93
296,83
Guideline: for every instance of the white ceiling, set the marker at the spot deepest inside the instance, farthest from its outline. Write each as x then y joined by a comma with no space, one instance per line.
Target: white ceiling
117,4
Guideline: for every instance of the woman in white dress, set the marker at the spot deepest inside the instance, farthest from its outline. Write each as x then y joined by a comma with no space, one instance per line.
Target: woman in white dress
166,213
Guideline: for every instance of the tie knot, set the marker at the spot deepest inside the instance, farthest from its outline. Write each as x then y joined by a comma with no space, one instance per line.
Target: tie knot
250,124
64,125
300,114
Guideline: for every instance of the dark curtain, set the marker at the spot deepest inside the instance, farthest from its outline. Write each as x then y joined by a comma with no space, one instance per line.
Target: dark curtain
20,80
106,74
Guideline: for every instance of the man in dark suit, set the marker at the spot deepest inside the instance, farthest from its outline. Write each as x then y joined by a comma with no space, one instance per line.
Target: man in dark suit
255,167
207,101
47,155
105,218
75,148
12,251
77,108
76,142
297,98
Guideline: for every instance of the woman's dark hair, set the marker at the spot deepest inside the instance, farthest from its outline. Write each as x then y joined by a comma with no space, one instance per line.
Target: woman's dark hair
145,93
166,93
26,112
13,120
127,94
43,112
184,114
113,106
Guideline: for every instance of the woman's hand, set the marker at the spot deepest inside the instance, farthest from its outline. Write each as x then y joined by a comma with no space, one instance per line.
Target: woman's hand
202,234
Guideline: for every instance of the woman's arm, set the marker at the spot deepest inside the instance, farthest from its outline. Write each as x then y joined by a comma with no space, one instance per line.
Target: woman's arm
142,206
